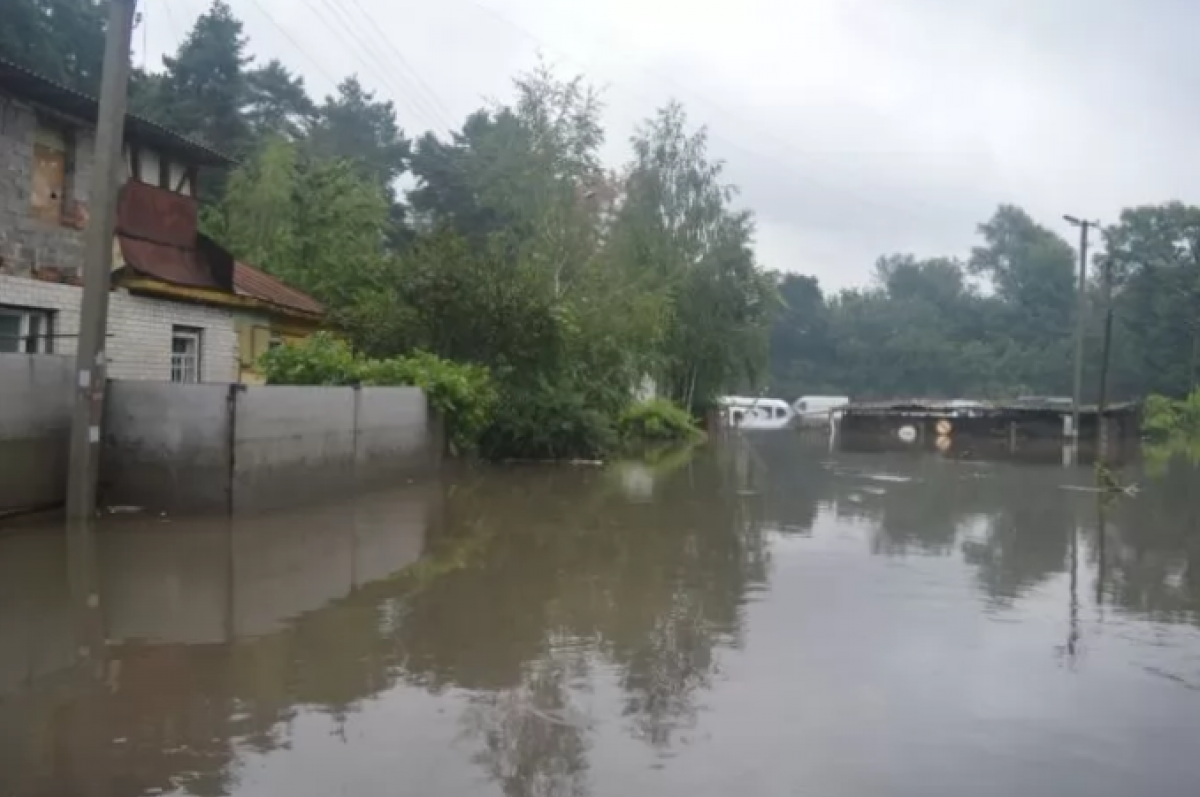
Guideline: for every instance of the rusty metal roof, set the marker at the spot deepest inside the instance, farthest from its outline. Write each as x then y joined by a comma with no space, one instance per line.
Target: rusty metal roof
150,213
39,89
250,281
173,264
159,238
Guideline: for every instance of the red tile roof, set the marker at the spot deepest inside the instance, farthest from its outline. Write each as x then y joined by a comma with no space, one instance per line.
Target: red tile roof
250,281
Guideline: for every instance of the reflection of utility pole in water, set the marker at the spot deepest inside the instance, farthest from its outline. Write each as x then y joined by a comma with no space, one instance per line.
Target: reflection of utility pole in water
1102,502
86,735
1072,647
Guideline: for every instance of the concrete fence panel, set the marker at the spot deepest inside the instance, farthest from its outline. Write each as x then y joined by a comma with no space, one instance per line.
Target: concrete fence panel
167,446
396,435
36,392
292,445
229,448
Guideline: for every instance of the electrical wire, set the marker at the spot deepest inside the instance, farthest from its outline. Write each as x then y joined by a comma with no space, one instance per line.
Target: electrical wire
422,86
419,107
171,22
723,113
296,45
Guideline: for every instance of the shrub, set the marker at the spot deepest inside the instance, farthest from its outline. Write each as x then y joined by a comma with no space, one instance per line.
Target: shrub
657,421
463,394
547,422
320,359
1164,417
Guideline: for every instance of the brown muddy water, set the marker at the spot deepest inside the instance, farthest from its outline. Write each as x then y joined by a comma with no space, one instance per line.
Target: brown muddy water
767,619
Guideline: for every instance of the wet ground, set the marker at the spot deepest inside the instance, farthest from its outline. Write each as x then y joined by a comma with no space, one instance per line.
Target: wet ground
770,619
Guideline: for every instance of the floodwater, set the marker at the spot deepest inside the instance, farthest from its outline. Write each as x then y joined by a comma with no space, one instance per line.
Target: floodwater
767,619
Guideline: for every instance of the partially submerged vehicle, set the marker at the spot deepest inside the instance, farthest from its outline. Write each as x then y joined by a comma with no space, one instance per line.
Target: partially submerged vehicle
742,412
819,410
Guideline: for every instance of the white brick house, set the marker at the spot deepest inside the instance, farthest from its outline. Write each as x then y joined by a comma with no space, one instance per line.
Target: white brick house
46,140
144,334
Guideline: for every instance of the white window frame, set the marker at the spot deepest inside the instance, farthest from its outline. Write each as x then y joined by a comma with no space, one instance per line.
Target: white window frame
186,366
43,343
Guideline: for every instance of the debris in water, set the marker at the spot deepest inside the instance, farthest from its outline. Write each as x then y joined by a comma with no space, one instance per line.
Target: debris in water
887,477
1131,490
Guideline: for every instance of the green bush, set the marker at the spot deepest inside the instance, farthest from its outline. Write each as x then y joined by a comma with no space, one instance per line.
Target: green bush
657,421
547,422
320,359
1163,417
463,394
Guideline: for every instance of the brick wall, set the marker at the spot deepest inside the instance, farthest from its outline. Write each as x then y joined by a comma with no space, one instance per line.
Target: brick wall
25,241
139,342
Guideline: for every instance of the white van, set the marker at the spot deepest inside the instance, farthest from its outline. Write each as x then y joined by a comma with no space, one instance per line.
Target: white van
819,410
741,412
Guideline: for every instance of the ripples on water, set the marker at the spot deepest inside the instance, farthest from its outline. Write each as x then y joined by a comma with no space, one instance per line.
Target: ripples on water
767,619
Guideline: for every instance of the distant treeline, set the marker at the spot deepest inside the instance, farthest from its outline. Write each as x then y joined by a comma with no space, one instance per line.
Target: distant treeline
1001,323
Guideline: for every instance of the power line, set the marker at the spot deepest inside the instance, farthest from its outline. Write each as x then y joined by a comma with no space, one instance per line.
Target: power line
171,22
419,106
429,93
723,112
296,45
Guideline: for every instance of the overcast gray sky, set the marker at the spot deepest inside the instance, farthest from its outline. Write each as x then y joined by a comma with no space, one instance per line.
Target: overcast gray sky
854,128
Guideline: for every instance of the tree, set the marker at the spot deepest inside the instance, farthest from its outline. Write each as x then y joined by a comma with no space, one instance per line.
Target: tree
800,344
1032,271
925,328
61,39
256,218
465,183
355,127
1156,259
676,231
204,89
278,103
317,224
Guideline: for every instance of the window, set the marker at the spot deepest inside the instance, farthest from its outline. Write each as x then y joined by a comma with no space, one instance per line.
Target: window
780,412
185,354
25,331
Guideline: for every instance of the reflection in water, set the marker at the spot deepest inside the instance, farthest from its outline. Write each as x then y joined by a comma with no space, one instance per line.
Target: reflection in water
769,616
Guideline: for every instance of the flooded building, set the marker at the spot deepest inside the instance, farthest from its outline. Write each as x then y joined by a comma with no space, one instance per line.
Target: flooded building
980,425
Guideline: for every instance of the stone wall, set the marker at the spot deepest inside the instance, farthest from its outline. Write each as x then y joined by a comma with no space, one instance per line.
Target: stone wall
35,422
139,328
27,242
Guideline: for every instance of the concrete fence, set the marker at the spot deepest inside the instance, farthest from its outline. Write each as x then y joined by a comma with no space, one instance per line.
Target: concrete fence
35,424
210,447
231,448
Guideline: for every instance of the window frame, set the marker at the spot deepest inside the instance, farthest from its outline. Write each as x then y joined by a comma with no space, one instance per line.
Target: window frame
179,366
28,341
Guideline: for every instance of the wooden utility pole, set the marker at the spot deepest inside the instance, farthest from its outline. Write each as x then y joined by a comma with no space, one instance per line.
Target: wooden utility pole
1080,313
97,264
1105,350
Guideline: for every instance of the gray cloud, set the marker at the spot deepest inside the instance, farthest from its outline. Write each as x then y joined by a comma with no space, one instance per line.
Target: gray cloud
853,127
